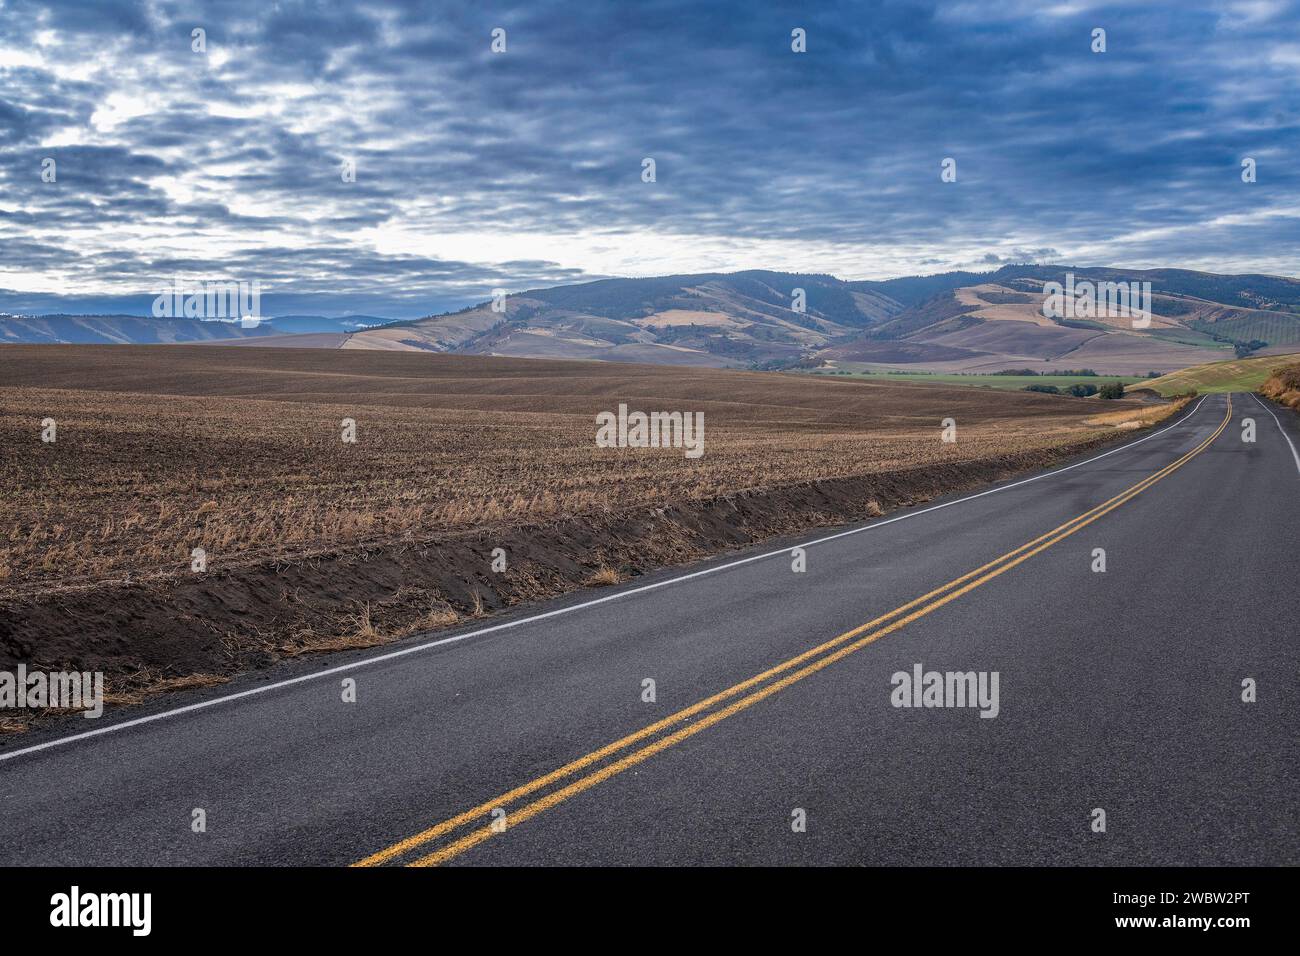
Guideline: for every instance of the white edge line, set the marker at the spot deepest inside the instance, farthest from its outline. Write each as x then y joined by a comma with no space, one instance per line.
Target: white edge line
1294,454
392,655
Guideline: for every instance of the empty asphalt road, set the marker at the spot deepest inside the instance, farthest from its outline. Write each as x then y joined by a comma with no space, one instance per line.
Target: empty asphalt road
541,743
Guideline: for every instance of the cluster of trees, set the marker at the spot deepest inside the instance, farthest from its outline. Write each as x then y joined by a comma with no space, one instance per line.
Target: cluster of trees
1077,390
1080,390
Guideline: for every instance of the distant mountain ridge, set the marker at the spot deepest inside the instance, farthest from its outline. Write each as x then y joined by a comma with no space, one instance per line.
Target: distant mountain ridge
996,321
147,330
955,321
743,319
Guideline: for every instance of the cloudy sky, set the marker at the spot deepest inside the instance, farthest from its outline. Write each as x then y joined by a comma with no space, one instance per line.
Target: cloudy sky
477,170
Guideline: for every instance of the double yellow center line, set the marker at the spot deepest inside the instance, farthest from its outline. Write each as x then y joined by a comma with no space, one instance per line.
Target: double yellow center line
813,660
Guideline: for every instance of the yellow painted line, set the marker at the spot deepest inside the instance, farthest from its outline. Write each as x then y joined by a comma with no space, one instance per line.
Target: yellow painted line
582,763
516,817
432,833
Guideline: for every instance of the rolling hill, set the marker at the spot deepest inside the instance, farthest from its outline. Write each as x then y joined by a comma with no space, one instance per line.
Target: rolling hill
994,322
745,319
1238,375
957,321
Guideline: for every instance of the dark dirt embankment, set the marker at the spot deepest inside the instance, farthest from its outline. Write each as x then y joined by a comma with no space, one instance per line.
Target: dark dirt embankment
166,633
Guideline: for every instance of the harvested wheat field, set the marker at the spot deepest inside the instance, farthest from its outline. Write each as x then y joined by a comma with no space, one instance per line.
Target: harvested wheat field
315,543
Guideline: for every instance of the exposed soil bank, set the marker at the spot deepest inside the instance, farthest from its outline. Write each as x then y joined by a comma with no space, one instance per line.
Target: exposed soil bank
165,633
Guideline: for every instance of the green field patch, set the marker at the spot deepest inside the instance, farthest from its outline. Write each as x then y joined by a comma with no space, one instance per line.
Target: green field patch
1238,375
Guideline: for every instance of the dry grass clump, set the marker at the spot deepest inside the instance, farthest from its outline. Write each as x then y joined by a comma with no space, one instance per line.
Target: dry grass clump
1282,386
602,577
144,684
1130,418
362,628
439,617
